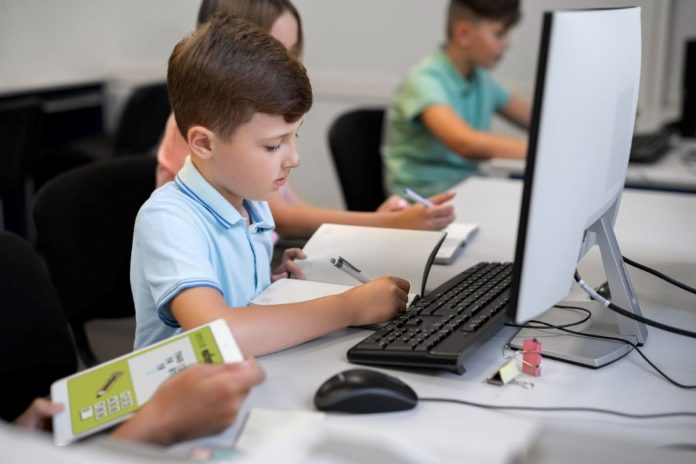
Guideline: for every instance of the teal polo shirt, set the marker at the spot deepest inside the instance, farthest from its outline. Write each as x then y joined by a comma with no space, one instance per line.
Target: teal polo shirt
188,235
413,156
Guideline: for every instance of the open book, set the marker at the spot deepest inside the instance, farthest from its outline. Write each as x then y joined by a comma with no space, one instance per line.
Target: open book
376,251
457,236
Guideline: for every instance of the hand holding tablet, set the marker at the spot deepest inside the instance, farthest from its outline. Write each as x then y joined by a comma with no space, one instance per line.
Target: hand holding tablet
108,394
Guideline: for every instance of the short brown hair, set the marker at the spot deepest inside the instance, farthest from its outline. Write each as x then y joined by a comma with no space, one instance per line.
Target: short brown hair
507,11
263,13
229,69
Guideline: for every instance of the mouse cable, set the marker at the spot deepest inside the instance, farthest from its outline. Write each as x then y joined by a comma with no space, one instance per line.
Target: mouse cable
607,303
659,415
605,337
659,275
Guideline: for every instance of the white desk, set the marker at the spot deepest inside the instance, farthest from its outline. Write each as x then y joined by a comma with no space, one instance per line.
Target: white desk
657,229
675,171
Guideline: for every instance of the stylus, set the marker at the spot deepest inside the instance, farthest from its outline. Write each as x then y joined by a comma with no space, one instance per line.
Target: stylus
417,198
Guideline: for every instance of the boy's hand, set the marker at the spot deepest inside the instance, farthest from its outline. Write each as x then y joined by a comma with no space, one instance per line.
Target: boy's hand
39,414
200,400
378,300
288,268
435,217
392,204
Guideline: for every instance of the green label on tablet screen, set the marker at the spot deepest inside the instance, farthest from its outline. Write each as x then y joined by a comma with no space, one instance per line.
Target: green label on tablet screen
118,388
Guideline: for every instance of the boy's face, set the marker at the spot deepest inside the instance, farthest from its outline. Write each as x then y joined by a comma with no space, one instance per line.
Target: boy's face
488,41
256,161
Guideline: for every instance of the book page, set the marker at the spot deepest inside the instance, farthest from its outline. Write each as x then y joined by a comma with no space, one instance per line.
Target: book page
375,251
457,236
285,291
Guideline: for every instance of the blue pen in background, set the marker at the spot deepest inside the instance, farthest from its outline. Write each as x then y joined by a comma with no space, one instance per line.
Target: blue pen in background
417,198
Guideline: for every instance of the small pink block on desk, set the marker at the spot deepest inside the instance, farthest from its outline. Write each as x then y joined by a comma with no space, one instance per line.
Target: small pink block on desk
531,357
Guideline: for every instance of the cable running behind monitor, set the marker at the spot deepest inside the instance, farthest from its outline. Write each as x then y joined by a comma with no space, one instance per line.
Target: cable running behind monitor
582,123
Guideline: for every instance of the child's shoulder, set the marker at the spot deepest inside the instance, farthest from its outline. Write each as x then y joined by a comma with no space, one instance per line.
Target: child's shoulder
167,201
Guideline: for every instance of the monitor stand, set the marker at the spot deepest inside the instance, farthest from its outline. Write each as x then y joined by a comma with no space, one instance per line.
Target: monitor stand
587,351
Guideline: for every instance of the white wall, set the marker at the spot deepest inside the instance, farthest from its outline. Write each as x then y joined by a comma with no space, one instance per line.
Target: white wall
44,42
356,52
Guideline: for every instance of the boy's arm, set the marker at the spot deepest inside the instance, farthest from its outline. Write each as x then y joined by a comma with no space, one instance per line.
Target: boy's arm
460,137
300,220
518,112
266,329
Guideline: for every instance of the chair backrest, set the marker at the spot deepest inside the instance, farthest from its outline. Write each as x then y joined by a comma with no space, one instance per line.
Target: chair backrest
34,339
20,124
143,119
84,221
354,139
20,127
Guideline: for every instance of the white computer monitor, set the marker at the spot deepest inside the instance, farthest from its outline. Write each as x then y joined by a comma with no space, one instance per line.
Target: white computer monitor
583,117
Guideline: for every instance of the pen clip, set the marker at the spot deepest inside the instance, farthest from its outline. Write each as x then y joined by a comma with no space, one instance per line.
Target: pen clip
342,262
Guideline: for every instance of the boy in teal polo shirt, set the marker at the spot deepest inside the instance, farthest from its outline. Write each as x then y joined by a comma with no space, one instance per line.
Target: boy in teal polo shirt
202,244
437,127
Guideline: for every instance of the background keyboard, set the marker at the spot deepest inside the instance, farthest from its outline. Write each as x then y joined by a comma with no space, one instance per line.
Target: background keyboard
649,148
441,329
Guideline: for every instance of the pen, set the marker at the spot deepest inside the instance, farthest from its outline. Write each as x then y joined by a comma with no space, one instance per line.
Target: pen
349,269
417,198
105,388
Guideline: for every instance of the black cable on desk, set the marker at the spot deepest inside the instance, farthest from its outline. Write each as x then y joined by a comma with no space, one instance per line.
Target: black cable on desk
659,275
543,325
637,317
617,339
660,415
628,342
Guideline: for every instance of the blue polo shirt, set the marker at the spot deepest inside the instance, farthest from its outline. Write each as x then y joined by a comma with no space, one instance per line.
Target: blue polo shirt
188,235
413,156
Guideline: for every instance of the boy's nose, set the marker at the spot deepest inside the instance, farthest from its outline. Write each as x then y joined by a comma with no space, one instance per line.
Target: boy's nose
506,42
293,158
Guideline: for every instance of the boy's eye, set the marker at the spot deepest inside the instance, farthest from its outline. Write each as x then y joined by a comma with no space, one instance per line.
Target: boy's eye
272,148
501,33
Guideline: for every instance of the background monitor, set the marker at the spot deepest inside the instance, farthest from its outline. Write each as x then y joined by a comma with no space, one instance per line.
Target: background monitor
582,124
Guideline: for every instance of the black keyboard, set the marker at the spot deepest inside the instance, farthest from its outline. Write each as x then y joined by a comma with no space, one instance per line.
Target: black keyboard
441,329
649,148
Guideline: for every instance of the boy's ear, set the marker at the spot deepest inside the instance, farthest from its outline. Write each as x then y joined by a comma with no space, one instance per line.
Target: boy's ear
200,141
462,31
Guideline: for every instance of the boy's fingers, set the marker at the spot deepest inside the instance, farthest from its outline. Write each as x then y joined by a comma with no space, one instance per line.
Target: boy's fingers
294,253
441,197
248,369
403,284
294,270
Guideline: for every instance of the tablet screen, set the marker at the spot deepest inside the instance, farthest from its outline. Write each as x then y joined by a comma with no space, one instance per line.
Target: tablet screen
118,388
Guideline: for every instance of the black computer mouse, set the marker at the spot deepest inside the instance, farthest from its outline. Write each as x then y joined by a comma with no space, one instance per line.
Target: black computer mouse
364,391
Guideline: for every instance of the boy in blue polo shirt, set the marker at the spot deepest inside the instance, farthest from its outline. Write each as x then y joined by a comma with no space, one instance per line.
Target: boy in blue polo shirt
438,125
202,244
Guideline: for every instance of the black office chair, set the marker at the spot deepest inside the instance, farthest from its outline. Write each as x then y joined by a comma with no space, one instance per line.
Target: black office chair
20,129
354,140
84,221
34,339
143,119
139,128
